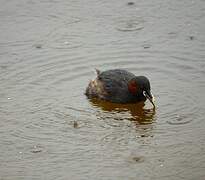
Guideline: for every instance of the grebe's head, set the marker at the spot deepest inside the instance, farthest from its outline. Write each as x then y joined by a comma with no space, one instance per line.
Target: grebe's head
140,86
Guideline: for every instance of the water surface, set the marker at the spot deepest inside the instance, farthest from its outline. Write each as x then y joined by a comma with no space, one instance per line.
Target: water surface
50,130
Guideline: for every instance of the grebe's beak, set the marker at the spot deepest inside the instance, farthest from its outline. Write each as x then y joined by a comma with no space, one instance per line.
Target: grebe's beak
149,96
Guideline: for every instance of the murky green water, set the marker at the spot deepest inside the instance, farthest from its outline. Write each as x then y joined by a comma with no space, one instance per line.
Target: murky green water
50,130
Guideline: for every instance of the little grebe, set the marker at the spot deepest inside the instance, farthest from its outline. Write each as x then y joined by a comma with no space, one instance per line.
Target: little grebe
119,86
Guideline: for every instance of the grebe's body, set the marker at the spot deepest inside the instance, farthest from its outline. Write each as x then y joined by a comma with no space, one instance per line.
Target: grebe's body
119,86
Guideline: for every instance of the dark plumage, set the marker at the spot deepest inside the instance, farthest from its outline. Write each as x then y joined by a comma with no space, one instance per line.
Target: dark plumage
119,86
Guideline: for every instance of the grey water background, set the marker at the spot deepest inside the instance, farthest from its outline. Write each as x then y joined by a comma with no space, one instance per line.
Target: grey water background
50,130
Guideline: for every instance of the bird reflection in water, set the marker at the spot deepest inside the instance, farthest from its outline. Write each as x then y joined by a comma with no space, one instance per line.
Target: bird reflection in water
138,113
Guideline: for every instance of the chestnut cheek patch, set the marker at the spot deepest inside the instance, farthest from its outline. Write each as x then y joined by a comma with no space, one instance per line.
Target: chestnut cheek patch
132,87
